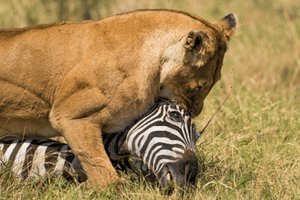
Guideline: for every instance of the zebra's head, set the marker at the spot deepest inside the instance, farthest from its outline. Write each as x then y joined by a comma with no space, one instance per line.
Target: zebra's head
164,140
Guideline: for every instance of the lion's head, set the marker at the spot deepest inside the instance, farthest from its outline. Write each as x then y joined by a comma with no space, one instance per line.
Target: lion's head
191,66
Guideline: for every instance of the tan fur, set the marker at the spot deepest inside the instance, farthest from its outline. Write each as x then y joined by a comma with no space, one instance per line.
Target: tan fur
81,79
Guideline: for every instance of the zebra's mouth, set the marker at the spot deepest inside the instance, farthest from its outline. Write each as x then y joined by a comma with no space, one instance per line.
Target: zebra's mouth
165,177
169,177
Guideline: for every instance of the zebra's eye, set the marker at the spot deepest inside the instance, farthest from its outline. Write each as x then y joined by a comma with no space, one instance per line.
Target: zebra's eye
175,116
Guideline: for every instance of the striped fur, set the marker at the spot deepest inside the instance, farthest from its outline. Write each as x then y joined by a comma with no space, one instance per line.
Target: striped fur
34,158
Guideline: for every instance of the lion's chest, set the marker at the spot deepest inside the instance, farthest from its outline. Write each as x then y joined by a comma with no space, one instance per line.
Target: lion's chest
122,116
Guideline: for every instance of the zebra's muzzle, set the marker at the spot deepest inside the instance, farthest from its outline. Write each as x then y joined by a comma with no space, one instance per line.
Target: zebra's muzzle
165,177
183,172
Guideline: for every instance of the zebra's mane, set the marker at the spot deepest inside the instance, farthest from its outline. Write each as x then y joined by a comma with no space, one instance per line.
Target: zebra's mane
157,103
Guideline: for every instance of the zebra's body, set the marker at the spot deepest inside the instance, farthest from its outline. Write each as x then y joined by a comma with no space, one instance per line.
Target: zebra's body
159,140
33,158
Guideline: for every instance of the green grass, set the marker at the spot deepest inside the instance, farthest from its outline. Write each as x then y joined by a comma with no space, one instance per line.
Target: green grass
251,150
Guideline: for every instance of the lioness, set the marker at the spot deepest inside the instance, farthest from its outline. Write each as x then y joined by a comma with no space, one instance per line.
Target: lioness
81,79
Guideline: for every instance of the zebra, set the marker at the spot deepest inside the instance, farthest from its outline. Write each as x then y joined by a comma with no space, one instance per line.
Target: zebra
165,142
161,143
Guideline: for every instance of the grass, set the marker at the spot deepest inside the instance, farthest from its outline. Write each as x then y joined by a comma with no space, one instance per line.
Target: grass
251,150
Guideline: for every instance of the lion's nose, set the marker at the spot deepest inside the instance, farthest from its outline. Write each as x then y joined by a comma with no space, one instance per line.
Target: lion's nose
196,110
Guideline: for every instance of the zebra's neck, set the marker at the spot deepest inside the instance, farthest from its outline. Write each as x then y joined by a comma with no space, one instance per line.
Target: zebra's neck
115,145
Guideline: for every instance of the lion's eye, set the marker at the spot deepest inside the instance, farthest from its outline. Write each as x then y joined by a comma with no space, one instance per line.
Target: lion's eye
175,116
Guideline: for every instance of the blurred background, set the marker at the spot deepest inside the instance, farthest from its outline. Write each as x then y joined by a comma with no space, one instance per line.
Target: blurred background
252,147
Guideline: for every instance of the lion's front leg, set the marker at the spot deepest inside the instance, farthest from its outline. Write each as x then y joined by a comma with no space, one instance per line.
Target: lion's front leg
86,143
74,115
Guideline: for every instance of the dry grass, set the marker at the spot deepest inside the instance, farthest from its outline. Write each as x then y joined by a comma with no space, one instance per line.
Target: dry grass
252,148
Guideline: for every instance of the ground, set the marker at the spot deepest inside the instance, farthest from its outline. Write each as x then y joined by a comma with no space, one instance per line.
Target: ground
251,150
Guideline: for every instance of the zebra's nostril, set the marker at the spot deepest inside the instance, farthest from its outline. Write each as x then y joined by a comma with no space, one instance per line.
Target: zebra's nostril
187,164
190,166
186,168
188,171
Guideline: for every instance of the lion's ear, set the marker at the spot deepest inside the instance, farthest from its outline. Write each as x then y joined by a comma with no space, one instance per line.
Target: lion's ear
194,40
228,25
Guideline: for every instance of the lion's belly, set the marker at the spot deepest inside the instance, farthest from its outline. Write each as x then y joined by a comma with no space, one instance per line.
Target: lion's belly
23,112
27,128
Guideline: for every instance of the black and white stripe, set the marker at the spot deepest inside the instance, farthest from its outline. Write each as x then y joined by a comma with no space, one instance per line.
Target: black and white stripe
38,158
34,158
